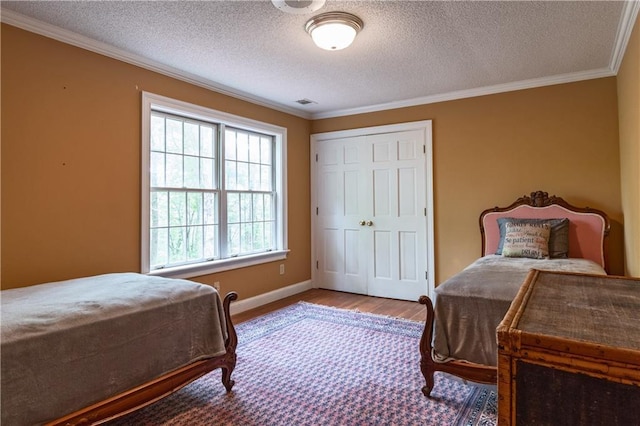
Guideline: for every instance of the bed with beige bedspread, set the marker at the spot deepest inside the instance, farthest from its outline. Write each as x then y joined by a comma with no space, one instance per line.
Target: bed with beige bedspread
536,232
73,344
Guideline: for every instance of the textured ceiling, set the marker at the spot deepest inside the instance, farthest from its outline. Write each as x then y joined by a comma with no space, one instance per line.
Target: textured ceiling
409,52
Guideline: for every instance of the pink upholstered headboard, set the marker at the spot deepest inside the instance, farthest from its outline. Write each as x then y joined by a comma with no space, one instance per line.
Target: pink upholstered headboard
588,227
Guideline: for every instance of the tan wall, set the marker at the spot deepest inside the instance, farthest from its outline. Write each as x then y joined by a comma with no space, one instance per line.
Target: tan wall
71,162
71,166
629,117
490,150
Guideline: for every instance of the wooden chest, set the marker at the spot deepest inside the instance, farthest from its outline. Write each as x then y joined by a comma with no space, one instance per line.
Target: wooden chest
569,352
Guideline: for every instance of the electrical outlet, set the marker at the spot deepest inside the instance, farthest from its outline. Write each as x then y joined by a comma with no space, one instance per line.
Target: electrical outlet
216,285
282,269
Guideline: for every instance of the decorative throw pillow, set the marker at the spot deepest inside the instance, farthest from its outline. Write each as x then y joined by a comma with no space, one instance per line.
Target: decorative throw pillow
558,239
526,240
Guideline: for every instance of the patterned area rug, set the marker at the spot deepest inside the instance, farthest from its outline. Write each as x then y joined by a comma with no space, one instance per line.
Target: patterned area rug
313,365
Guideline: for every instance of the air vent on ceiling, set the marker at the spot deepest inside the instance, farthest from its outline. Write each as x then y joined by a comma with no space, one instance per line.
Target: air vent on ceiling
305,101
298,7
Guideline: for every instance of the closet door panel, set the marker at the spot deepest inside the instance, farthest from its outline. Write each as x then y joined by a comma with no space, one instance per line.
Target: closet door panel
341,257
398,190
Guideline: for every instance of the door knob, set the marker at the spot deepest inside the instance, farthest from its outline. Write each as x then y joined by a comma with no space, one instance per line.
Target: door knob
369,223
362,222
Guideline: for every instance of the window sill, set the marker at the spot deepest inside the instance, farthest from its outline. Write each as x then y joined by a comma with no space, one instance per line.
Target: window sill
190,271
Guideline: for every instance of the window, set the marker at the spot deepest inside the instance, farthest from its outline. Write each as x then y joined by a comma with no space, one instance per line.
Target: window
213,193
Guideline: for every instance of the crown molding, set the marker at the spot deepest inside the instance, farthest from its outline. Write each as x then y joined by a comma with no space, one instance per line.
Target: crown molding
51,31
471,93
625,28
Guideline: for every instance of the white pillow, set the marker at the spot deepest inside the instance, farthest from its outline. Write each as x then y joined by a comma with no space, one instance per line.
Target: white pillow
526,240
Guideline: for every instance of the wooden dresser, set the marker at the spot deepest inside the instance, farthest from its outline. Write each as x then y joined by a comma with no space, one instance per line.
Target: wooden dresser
569,352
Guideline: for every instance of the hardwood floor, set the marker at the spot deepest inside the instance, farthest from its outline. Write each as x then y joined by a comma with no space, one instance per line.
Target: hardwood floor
377,305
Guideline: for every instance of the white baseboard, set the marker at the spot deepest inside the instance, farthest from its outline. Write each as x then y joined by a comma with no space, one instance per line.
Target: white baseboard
262,299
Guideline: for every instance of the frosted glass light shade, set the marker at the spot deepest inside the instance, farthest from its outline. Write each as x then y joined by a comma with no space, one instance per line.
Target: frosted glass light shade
334,30
333,36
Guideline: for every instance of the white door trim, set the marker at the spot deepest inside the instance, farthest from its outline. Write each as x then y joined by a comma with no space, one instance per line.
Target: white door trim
425,126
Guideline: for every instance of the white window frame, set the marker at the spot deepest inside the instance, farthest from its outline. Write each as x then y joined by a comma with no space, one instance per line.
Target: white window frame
160,103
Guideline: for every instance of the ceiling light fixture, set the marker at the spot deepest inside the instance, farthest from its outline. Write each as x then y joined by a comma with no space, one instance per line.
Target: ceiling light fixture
333,30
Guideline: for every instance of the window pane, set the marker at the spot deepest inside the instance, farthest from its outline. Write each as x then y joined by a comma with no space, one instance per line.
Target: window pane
210,215
268,236
268,207
233,208
242,146
177,245
194,242
266,179
230,145
265,150
246,205
177,208
230,175
159,209
246,245
254,177
174,170
210,242
233,239
194,208
157,133
157,169
258,236
191,139
191,172
158,247
258,207
254,148
206,141
174,136
242,176
206,173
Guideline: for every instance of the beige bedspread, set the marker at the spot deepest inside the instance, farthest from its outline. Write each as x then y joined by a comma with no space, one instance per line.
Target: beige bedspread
69,344
470,305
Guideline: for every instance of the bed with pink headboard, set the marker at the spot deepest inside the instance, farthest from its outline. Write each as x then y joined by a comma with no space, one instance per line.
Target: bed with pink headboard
459,335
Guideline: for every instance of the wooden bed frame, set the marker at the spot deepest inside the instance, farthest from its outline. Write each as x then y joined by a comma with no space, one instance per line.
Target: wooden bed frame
148,393
537,200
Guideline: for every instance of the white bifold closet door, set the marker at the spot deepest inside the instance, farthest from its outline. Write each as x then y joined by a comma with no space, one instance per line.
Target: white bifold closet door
371,215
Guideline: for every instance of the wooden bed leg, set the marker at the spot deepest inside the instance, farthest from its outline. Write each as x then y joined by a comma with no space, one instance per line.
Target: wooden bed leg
426,362
230,343
226,378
